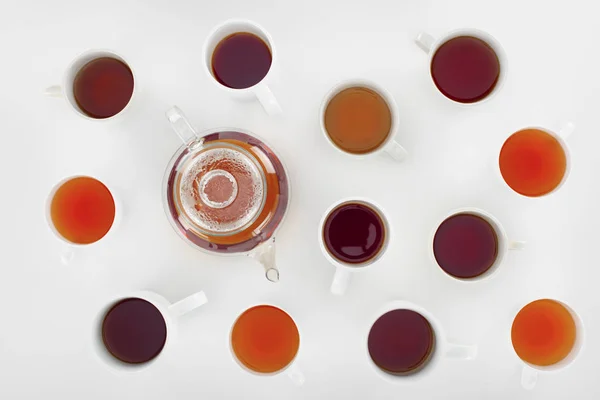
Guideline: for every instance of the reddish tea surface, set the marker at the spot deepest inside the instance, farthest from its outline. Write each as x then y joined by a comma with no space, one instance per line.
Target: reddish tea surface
82,210
533,162
465,69
265,339
103,87
241,60
543,332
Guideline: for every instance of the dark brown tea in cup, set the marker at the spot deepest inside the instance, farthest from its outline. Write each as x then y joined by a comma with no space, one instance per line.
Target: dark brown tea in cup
241,60
465,69
465,246
354,233
401,342
134,331
103,87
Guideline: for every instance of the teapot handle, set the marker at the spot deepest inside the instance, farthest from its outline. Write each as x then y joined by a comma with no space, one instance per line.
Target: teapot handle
181,125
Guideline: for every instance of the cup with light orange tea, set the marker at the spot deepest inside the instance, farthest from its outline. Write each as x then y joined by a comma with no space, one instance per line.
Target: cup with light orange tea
81,211
360,118
265,341
535,161
547,335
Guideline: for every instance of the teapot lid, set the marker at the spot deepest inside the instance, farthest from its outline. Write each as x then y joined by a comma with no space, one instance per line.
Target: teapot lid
222,188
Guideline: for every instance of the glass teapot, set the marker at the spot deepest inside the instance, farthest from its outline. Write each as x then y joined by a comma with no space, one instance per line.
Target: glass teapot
226,192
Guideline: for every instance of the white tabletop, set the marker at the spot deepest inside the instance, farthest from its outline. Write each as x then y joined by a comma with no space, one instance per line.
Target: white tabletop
47,309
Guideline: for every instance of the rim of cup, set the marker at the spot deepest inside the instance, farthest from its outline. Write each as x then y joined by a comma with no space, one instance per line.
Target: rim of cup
384,93
158,301
503,242
487,38
439,346
244,367
220,32
372,205
73,69
564,145
48,212
577,346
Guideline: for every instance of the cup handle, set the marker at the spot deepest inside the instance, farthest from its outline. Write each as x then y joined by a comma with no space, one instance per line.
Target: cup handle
529,377
566,130
396,151
181,125
188,304
461,351
267,99
67,255
53,91
425,41
341,279
296,375
265,254
516,245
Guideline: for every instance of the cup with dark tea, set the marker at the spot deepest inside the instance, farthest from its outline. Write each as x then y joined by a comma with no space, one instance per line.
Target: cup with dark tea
405,343
467,66
353,235
133,331
240,57
265,341
360,118
81,211
535,161
547,335
98,85
470,244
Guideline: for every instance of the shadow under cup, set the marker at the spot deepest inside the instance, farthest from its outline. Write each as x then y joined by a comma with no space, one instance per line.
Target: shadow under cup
401,342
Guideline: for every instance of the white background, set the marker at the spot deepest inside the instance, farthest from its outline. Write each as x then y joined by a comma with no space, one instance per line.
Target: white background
47,309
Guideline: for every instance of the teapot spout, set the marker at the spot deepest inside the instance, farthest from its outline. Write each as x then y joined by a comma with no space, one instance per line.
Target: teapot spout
265,254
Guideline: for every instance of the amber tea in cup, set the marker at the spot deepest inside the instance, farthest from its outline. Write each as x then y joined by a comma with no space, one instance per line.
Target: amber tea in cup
265,339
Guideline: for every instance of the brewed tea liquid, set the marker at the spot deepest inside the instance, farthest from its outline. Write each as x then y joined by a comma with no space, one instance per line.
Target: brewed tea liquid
358,120
103,87
401,341
82,210
265,339
533,162
241,60
465,69
134,331
354,233
543,332
465,246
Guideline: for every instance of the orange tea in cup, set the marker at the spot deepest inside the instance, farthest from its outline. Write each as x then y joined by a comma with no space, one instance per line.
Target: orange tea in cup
265,339
358,120
543,332
82,210
533,162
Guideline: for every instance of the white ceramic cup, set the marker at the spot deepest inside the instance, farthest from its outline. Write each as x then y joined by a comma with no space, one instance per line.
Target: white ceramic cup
344,271
389,146
66,89
69,248
504,244
292,370
443,349
170,312
261,90
430,45
531,372
562,135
